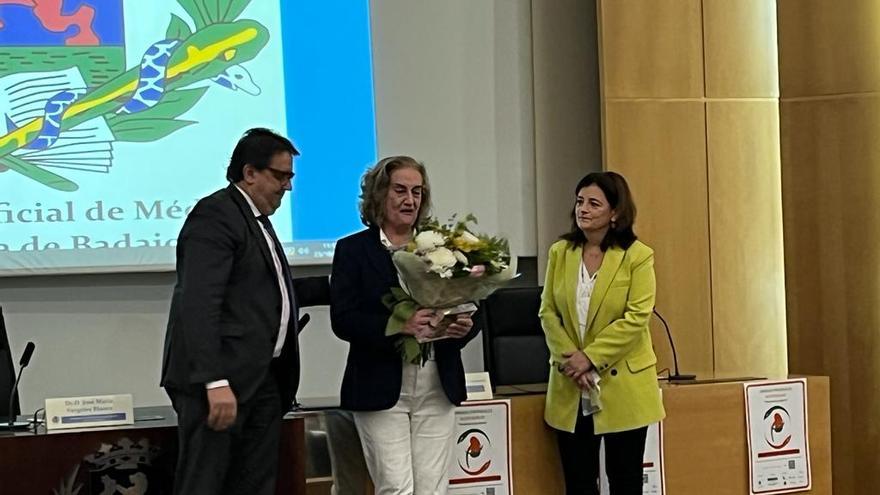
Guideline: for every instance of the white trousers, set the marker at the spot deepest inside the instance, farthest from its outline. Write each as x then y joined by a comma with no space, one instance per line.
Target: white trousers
408,447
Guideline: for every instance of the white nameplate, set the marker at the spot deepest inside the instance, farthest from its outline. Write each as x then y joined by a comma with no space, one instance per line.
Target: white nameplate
88,412
478,386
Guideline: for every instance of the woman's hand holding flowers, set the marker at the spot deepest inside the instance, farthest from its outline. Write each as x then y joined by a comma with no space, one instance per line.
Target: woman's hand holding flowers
461,327
421,322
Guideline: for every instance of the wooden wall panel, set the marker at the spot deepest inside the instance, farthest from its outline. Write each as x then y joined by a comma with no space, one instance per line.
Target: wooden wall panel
741,48
664,63
821,149
745,215
831,170
660,147
651,49
828,47
830,134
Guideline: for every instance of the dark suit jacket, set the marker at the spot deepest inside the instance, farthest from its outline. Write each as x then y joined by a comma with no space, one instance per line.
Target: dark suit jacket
362,273
226,307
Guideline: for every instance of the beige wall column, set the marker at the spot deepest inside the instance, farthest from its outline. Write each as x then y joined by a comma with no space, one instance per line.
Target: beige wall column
567,144
690,117
830,113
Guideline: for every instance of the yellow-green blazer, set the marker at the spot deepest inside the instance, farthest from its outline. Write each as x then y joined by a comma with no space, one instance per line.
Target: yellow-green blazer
617,339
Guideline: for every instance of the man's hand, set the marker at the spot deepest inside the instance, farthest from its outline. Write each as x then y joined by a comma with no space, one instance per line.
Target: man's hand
460,327
222,408
576,364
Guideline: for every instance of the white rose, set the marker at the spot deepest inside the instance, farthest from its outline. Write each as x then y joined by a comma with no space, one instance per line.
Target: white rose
442,271
440,259
466,241
428,240
460,257
468,238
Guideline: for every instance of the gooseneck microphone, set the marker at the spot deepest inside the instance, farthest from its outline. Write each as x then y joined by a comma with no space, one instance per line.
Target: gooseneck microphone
26,355
677,377
22,363
303,322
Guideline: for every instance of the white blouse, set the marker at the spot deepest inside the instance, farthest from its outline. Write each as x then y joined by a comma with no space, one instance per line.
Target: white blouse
586,282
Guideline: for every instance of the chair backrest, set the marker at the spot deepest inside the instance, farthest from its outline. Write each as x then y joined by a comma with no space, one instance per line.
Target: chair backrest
7,373
514,349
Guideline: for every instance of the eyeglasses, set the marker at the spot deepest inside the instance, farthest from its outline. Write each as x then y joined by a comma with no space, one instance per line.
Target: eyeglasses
280,175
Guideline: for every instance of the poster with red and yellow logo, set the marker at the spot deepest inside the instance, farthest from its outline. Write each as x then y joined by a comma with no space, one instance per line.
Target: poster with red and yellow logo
481,462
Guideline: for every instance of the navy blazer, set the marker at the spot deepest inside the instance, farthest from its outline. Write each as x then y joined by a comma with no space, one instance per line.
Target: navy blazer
362,273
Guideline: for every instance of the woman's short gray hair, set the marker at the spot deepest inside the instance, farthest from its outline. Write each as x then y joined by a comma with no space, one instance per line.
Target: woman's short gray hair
374,189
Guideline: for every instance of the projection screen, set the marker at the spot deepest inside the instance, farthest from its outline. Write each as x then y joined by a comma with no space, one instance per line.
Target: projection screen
118,116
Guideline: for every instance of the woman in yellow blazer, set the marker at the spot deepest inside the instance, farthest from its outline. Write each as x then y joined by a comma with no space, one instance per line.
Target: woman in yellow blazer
597,300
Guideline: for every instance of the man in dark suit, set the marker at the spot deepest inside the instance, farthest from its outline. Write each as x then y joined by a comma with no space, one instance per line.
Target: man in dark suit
231,363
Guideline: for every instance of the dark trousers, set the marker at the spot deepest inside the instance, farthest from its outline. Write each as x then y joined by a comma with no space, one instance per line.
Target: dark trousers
624,456
240,460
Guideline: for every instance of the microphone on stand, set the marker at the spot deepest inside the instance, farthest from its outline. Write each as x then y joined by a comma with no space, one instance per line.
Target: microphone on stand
677,377
12,424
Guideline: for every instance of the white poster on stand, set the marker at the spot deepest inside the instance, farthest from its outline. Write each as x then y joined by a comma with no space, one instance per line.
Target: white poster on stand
654,474
776,424
481,462
653,471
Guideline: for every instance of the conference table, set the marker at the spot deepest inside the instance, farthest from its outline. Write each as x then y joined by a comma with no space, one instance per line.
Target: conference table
705,445
124,458
705,448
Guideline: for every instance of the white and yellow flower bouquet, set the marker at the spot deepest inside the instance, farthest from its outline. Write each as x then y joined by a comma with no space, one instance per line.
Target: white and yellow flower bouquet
449,268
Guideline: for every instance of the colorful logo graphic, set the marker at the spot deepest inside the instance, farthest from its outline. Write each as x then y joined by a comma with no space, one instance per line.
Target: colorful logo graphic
776,421
474,452
66,95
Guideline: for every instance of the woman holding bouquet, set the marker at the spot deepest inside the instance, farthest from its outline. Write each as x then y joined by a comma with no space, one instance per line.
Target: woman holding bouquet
597,301
404,411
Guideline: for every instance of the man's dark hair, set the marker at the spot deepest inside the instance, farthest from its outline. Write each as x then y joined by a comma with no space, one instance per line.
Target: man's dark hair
257,147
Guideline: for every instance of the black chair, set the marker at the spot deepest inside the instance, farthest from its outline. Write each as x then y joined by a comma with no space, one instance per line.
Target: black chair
7,374
514,349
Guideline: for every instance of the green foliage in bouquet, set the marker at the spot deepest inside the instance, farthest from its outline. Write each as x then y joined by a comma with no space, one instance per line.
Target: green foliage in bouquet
402,308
